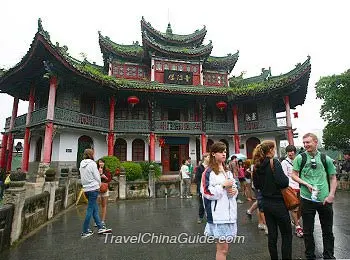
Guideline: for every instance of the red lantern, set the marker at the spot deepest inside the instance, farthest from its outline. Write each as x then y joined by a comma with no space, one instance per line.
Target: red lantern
133,100
296,115
221,105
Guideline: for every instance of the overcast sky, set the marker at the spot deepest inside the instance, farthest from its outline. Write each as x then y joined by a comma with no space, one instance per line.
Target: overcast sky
276,34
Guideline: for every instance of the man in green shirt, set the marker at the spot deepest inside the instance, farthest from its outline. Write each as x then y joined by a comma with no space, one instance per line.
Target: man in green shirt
317,194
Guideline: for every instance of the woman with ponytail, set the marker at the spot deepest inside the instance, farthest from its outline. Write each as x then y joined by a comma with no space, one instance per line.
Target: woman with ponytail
269,178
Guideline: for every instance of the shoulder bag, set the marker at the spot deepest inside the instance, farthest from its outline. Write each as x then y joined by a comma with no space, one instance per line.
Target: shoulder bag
290,198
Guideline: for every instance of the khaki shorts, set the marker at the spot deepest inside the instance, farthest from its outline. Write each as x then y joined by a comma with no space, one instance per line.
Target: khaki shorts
106,194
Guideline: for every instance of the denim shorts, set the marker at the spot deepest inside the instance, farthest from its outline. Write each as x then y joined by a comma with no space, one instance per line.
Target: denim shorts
259,198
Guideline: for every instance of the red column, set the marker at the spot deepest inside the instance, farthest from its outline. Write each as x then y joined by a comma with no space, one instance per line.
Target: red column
111,125
204,143
152,151
10,138
26,147
49,117
289,121
3,151
235,124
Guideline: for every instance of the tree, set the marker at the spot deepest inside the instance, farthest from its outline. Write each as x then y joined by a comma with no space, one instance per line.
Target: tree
334,90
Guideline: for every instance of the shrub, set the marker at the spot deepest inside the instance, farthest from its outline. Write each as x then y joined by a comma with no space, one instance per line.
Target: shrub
112,163
145,170
133,170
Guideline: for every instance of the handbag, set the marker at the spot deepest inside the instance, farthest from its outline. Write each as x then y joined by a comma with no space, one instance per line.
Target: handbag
290,198
103,187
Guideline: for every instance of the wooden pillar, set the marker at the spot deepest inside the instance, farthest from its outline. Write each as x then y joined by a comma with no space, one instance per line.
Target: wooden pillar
204,143
111,125
152,151
49,118
235,124
289,121
10,137
3,151
26,146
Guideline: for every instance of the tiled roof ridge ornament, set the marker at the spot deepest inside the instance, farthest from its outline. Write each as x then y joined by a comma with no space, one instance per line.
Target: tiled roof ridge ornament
42,31
168,29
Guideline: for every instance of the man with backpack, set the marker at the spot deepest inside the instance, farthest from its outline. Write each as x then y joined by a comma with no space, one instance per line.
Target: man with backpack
317,175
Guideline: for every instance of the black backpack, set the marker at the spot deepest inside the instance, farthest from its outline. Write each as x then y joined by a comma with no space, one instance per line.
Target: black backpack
323,160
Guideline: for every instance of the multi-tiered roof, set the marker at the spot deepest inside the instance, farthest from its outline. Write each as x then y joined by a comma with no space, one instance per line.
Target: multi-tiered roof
16,80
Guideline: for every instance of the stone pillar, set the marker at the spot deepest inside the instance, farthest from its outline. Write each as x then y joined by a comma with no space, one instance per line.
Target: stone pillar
151,182
235,124
289,121
111,125
26,146
49,118
11,137
64,181
16,195
50,186
122,184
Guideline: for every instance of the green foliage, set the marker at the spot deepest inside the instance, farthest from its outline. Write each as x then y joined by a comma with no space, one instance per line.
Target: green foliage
50,172
334,90
133,171
145,170
112,163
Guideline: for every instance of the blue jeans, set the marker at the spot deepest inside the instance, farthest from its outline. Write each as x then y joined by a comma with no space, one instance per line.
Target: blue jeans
92,210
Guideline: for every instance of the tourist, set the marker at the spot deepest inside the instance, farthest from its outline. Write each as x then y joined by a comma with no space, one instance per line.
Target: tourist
270,179
219,191
106,177
198,178
287,166
248,182
241,177
91,181
317,177
186,180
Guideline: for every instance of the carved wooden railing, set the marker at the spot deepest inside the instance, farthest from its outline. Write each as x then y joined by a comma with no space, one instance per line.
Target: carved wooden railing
178,127
76,119
219,128
38,116
132,126
20,121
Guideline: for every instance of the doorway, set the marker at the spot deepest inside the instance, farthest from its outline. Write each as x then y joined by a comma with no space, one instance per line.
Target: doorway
174,158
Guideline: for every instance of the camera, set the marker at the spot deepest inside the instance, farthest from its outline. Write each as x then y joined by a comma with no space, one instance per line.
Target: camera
313,163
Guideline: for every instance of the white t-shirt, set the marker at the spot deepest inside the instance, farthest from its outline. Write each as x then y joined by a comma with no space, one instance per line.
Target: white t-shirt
185,172
287,166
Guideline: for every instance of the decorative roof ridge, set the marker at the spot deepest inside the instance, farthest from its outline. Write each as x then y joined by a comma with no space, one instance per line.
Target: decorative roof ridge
176,38
226,63
179,50
134,49
299,68
228,56
42,31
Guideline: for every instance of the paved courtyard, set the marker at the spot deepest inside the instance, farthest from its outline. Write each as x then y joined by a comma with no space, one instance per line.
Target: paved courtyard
60,238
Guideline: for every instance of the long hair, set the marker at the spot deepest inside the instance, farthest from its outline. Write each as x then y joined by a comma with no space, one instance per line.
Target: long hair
88,154
217,147
104,166
261,150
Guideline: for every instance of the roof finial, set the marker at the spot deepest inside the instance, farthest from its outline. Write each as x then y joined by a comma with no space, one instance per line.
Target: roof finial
168,29
42,31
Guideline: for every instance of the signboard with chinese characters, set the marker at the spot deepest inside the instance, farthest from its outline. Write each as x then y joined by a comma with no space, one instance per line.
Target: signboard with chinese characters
178,77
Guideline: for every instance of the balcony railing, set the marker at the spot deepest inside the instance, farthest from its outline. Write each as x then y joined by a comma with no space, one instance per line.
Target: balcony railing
219,128
77,119
178,127
264,125
20,121
38,116
137,126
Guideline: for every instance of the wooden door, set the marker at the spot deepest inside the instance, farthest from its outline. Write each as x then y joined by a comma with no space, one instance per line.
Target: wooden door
165,158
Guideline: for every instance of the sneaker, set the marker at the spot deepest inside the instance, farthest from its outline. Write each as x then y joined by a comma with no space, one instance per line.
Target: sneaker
86,234
249,214
102,223
261,226
181,197
200,220
189,197
104,230
299,232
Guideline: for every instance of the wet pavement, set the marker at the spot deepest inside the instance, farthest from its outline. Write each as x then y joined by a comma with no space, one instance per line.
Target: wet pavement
172,220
